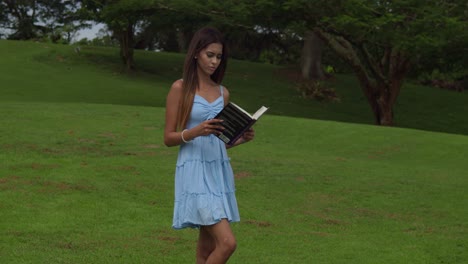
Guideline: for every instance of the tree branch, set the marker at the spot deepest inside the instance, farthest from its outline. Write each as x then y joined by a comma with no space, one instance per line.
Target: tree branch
372,64
345,50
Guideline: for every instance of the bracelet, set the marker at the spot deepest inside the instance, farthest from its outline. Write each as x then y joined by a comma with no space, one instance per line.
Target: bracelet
182,136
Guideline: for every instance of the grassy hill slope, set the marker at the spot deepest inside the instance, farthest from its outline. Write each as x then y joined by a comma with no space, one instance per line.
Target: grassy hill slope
56,73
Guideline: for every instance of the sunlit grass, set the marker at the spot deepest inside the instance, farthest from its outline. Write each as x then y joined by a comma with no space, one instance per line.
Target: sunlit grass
87,183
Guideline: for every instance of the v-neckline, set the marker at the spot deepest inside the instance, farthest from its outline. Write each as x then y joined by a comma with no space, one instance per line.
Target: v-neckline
207,100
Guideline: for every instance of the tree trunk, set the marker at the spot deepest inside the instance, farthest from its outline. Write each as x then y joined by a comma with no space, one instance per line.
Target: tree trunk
381,81
378,98
126,47
384,113
311,57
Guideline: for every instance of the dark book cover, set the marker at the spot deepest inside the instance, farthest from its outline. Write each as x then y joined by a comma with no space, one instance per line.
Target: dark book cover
236,121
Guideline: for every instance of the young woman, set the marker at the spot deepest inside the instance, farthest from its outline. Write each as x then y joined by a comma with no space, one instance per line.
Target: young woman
204,180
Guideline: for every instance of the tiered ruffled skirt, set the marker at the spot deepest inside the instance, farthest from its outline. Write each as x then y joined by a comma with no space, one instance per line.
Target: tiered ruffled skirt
204,184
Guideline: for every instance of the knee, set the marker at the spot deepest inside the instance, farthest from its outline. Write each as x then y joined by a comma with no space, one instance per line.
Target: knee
204,252
229,245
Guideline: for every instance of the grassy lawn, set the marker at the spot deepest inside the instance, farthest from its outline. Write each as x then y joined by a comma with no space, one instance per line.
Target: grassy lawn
85,178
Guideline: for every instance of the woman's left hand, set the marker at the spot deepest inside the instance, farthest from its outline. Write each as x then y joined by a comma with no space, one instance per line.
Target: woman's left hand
248,135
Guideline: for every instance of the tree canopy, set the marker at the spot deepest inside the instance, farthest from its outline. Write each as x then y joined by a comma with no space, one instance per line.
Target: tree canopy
28,19
381,40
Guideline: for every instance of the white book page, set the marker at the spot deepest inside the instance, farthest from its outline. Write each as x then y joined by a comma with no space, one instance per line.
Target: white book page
238,107
259,112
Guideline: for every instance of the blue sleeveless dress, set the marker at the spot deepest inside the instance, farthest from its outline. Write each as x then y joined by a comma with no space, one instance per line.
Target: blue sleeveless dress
204,180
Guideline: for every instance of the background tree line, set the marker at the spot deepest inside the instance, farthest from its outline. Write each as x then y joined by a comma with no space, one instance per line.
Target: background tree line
381,42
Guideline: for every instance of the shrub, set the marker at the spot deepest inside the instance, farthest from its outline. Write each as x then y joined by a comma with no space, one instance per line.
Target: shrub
318,90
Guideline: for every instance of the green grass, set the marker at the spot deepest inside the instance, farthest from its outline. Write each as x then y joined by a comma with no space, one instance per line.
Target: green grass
85,178
55,73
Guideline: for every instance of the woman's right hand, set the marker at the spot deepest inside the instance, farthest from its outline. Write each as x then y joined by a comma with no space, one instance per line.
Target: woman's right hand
208,127
205,128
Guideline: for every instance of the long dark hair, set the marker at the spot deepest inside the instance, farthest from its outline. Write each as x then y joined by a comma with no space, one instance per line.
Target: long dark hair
202,38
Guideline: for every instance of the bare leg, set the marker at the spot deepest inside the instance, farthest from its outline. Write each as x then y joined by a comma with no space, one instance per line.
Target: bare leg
225,242
205,246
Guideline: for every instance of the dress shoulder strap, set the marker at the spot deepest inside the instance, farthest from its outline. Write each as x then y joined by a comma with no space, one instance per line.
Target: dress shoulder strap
221,89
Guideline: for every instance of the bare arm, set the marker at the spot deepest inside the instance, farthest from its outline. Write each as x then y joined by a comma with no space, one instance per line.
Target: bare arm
172,137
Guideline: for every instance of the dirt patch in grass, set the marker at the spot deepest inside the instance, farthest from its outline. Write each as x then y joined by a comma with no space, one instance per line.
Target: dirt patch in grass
300,179
34,166
152,146
166,236
18,183
19,147
76,150
242,174
383,152
52,187
81,245
169,239
126,168
258,223
140,153
86,140
330,221
8,179
109,135
421,230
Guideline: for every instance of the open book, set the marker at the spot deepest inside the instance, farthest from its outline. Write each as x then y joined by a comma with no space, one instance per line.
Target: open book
236,121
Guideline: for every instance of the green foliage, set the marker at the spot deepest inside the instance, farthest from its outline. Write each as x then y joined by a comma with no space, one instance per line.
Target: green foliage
451,60
330,58
416,27
271,56
54,19
408,25
436,74
454,81
104,41
118,14
329,69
